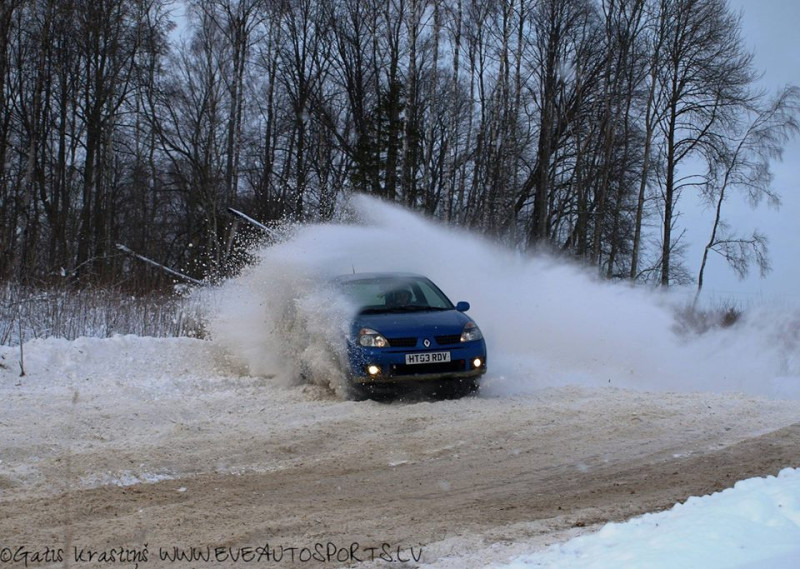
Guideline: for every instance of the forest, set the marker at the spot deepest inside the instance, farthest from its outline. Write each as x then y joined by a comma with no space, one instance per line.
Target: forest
570,126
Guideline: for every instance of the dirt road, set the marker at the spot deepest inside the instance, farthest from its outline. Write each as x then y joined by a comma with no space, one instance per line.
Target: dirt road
274,475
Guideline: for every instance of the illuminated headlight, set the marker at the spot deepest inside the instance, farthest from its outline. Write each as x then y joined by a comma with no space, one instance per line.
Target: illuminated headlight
476,363
471,332
373,369
370,338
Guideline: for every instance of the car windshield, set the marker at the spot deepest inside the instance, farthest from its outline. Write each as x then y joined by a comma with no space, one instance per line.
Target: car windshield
395,294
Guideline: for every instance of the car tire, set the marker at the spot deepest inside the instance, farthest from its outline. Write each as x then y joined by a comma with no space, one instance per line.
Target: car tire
356,392
458,388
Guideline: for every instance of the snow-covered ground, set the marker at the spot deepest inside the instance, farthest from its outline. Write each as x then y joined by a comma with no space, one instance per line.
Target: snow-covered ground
753,525
589,383
131,411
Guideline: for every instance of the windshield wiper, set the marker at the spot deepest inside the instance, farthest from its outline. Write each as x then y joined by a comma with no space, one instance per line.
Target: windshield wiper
372,310
414,308
396,309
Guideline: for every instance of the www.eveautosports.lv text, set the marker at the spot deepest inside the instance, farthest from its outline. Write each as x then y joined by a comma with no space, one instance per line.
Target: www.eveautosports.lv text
327,552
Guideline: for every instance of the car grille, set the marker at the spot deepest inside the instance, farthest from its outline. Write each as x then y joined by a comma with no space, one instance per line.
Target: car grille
403,369
449,339
402,342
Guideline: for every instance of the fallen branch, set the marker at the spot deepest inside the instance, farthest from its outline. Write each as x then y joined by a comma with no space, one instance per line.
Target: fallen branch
250,220
164,268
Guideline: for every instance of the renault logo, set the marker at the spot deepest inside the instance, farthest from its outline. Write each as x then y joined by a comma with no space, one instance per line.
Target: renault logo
426,343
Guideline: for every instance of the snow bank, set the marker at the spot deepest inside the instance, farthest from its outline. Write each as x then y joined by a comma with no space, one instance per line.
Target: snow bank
754,524
547,322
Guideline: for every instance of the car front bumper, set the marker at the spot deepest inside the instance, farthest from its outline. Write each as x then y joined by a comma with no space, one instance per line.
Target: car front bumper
420,377
394,369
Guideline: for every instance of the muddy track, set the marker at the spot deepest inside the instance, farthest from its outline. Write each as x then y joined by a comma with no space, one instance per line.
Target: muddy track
449,503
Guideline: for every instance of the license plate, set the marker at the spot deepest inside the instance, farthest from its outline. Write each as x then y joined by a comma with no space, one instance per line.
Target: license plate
428,358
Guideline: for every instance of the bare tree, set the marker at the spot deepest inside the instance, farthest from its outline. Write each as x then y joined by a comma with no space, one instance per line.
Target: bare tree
189,115
573,124
558,26
266,108
704,81
654,40
305,66
237,21
355,74
743,162
9,17
108,45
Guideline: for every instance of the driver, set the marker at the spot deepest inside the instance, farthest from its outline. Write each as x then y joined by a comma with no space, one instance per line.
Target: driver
400,297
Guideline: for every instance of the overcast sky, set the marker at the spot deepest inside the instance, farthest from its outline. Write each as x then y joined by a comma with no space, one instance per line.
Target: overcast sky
771,32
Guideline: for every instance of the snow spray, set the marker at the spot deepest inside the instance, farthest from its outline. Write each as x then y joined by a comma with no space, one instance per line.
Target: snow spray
547,322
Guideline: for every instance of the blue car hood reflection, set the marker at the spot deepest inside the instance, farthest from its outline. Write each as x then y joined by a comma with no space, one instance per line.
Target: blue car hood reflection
395,324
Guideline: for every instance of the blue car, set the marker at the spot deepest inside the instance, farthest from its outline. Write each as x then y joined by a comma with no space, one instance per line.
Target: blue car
406,331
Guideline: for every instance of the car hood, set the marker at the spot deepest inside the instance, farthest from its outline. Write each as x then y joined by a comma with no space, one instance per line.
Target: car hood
396,324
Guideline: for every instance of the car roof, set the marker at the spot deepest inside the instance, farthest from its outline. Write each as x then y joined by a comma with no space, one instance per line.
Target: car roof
387,275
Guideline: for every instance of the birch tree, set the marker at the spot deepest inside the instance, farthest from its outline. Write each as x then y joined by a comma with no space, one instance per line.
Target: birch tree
704,80
742,162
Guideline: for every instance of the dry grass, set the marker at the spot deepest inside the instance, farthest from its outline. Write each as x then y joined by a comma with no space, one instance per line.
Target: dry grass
690,319
66,313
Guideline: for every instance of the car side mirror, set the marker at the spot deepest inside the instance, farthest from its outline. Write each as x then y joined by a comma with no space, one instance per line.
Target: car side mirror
462,306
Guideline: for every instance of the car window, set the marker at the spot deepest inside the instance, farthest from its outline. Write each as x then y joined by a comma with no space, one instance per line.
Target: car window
385,293
433,296
365,293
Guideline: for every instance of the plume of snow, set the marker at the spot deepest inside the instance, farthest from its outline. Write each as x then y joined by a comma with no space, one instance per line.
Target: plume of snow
547,322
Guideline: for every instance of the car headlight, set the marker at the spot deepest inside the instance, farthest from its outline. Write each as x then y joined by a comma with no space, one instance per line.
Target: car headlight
370,338
471,332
